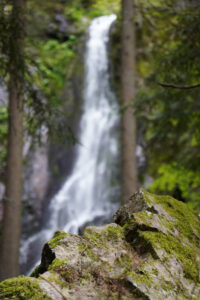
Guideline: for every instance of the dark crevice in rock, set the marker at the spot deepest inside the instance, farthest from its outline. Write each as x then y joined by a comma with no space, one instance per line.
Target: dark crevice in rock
118,219
47,258
152,210
144,227
136,291
139,244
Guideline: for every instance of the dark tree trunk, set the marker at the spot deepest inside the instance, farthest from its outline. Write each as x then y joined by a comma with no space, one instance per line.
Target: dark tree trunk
129,164
11,227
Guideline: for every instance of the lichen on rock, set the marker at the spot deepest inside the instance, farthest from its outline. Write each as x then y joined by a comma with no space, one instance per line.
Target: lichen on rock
151,251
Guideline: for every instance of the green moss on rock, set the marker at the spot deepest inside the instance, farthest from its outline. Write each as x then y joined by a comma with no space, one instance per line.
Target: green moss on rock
36,272
144,279
173,248
21,288
57,263
185,219
57,238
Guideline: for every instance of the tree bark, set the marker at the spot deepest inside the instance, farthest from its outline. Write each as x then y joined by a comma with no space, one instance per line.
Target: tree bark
128,81
11,227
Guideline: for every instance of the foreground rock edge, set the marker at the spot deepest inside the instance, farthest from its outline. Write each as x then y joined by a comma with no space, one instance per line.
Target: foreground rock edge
151,251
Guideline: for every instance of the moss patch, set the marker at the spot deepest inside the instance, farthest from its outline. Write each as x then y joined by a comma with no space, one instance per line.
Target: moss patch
36,272
21,288
57,238
143,279
102,237
185,219
185,254
57,263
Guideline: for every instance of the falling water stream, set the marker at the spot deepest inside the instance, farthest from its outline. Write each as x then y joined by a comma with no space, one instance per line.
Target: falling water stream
88,194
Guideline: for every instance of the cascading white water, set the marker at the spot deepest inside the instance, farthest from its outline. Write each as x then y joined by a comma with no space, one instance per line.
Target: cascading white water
88,193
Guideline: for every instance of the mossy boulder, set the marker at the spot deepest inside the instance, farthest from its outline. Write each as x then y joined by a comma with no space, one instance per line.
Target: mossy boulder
150,251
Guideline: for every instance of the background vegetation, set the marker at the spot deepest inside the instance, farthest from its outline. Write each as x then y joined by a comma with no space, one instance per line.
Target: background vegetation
170,116
167,52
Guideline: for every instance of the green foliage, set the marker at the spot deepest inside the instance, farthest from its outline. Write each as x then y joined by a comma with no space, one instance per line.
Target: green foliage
170,118
5,13
48,63
52,62
174,176
103,7
75,12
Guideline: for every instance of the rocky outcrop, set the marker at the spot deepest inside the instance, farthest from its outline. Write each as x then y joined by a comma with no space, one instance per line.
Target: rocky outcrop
150,251
60,28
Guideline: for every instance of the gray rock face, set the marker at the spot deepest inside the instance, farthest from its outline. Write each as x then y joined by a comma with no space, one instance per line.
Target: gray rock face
151,251
60,28
3,94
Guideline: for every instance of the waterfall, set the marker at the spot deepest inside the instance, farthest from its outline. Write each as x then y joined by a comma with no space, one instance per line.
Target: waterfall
89,194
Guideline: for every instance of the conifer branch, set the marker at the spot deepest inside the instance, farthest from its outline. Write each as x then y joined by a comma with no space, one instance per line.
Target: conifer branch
176,86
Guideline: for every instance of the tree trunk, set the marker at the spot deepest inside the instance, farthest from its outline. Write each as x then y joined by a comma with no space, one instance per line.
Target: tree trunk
129,164
11,226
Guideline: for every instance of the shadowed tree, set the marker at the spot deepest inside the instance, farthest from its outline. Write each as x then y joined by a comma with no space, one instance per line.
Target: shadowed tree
11,226
128,78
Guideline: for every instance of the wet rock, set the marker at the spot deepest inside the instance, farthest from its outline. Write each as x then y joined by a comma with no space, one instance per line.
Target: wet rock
151,251
60,28
2,190
36,184
3,93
